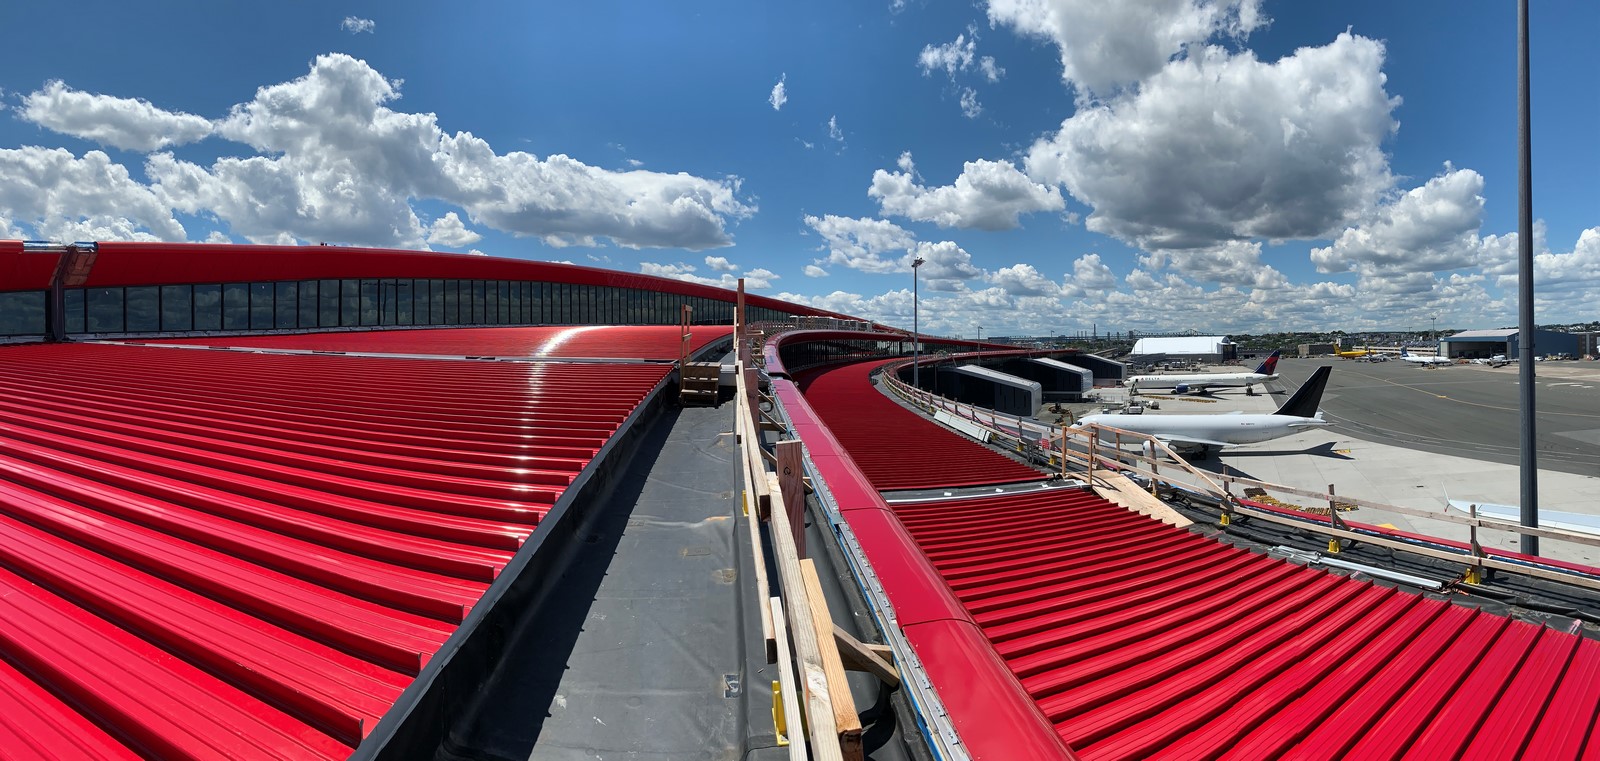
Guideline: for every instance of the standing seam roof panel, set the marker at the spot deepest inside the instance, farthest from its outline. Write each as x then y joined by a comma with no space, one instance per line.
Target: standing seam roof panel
894,447
244,589
1153,654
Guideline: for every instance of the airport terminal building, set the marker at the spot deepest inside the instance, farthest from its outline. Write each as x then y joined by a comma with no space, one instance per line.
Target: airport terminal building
265,502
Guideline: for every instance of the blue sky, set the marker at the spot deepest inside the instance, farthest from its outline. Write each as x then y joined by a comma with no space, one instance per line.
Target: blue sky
1232,166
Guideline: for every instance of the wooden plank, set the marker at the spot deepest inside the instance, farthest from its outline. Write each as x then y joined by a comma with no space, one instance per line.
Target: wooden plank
808,653
865,656
1124,492
791,470
1466,560
758,556
844,705
791,690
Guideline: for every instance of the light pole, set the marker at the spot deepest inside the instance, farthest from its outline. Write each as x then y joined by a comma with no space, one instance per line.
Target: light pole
1436,335
916,328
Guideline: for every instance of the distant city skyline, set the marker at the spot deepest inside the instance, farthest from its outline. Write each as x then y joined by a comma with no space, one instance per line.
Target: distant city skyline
1232,166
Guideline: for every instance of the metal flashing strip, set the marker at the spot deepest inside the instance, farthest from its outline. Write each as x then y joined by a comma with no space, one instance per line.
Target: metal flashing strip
932,718
964,494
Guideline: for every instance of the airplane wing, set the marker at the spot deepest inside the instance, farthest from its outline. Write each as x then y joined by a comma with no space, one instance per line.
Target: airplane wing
1190,441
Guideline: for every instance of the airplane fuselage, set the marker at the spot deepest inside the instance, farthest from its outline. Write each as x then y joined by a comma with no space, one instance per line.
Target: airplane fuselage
1201,380
1244,428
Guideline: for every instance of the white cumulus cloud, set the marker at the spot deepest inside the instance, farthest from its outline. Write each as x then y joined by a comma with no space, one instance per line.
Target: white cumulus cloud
756,279
62,197
340,165
1108,45
779,94
449,231
356,25
721,264
813,270
860,243
128,123
1432,228
987,195
1217,147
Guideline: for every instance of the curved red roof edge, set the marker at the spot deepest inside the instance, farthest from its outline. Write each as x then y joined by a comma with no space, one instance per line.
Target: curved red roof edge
994,717
773,359
124,263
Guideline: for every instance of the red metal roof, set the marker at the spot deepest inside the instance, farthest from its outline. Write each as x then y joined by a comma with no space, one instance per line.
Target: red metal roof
138,263
896,448
633,342
1136,639
209,553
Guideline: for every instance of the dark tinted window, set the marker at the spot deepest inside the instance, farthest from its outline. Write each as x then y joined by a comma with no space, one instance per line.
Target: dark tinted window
208,307
105,310
177,307
75,303
22,313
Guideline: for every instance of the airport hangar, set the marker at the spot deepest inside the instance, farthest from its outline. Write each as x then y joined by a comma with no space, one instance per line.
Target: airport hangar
1482,344
1212,349
314,502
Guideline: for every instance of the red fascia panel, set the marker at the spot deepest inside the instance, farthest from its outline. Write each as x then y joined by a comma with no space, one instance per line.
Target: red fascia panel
994,718
123,263
626,342
21,271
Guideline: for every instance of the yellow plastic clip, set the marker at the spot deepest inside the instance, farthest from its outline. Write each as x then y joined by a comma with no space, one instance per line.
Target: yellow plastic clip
1225,520
1333,546
778,721
1474,575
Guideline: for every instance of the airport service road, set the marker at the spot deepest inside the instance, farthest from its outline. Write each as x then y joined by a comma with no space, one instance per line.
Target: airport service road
1463,410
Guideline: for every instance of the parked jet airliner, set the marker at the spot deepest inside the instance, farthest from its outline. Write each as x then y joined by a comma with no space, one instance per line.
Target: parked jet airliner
1199,383
1209,432
1424,361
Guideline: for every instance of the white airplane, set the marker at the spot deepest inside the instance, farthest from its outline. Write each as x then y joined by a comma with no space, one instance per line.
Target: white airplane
1214,431
1199,383
1424,361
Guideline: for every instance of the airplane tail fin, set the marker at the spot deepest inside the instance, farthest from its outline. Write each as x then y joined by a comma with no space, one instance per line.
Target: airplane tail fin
1270,365
1304,402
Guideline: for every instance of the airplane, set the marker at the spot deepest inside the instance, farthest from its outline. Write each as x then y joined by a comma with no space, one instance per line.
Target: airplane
1208,432
1180,384
1424,361
1353,353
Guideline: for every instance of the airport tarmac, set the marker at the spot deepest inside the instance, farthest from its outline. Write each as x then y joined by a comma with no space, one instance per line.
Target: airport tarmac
1409,436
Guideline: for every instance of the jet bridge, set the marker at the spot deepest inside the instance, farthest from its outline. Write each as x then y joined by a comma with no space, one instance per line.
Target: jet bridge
988,388
1060,381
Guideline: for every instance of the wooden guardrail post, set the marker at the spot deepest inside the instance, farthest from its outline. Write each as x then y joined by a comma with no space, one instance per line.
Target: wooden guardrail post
1063,450
1094,436
791,483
